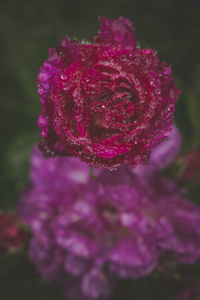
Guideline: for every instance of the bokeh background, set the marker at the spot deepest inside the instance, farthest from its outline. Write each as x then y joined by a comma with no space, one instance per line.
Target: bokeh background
29,28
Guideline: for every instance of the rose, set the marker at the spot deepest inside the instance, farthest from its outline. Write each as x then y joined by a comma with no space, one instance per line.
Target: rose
107,102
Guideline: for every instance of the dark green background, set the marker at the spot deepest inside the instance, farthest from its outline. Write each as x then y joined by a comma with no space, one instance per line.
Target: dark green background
29,28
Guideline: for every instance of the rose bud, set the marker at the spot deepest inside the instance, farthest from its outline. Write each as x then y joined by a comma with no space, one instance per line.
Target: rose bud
12,236
191,169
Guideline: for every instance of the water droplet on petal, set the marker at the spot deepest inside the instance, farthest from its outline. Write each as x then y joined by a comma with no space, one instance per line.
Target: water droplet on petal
63,76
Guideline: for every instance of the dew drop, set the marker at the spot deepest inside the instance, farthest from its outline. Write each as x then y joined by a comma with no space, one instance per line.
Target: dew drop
158,91
40,91
137,81
63,76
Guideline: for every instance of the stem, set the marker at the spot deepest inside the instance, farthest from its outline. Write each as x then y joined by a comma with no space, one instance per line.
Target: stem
92,175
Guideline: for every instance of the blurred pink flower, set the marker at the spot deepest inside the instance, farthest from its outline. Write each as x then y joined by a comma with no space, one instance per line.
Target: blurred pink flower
93,231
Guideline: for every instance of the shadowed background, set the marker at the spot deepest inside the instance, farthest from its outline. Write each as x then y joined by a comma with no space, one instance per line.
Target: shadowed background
28,29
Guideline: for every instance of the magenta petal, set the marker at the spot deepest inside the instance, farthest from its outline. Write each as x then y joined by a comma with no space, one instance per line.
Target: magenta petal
96,285
116,32
162,155
165,152
43,171
133,258
107,151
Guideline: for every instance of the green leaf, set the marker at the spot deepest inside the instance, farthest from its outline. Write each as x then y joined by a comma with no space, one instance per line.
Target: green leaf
17,156
19,280
16,168
29,290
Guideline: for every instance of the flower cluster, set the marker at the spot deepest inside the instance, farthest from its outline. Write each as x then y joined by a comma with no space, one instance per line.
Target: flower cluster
91,231
12,236
107,102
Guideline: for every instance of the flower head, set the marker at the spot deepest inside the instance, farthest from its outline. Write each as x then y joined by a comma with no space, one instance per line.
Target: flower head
191,170
12,236
107,102
117,225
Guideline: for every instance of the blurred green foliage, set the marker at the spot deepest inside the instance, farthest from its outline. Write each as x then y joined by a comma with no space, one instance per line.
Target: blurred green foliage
193,105
28,29
19,280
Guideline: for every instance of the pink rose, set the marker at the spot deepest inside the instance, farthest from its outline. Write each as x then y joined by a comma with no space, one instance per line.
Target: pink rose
107,102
